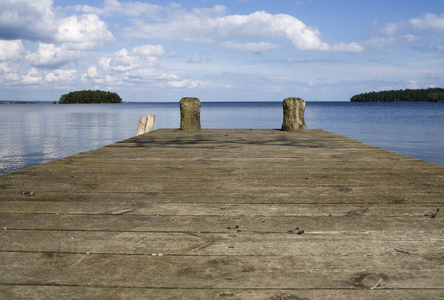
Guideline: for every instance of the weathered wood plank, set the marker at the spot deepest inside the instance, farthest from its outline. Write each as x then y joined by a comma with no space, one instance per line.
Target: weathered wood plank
301,195
230,243
285,178
248,272
72,292
218,208
354,222
260,194
142,125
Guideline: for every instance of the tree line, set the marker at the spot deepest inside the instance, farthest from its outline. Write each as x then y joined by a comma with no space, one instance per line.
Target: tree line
89,96
419,95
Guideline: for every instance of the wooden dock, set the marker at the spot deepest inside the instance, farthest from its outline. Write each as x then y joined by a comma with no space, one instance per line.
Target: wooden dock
225,214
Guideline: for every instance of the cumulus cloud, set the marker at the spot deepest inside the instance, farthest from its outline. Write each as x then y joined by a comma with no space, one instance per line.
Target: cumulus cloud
11,50
208,26
27,19
126,65
249,46
429,22
136,65
128,61
34,76
130,9
8,73
19,66
83,32
60,76
50,56
35,20
13,75
149,50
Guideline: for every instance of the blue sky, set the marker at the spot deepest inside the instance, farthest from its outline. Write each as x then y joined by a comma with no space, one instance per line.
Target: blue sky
238,50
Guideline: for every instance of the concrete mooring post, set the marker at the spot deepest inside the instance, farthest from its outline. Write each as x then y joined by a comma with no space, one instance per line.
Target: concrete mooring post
294,109
189,114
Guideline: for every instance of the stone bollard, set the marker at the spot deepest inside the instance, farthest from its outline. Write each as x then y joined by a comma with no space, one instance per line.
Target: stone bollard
189,114
294,109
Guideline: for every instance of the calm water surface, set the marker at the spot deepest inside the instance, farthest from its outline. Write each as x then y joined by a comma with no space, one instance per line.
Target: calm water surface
32,134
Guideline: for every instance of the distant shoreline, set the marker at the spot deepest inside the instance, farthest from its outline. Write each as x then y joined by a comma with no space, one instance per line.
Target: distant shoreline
24,102
6,102
409,95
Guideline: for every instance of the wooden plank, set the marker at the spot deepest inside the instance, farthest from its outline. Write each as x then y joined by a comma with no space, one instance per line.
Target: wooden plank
248,272
142,125
88,292
248,185
150,123
217,208
297,195
355,222
231,243
225,174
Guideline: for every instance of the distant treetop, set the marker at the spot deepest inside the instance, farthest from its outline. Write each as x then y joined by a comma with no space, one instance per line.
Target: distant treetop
419,95
90,97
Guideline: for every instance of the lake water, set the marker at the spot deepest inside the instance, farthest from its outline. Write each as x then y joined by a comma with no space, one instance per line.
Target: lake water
32,134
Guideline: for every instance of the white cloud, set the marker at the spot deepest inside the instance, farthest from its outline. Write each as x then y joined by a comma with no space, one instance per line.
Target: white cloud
130,9
13,75
60,76
128,61
123,64
135,66
83,32
186,83
138,58
207,26
149,50
9,73
390,29
196,59
381,41
249,47
429,22
50,56
91,74
35,20
34,76
11,50
401,32
27,19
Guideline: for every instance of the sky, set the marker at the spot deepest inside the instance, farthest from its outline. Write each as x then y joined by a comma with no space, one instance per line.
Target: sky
235,50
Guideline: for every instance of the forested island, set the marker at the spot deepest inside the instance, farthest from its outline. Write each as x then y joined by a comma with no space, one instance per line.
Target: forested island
418,95
90,97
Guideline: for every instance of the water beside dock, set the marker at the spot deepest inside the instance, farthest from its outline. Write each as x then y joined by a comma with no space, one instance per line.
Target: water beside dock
225,213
